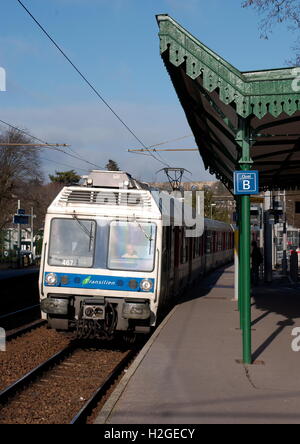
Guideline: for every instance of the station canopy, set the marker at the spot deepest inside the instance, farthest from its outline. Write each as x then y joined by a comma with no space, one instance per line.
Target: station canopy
216,97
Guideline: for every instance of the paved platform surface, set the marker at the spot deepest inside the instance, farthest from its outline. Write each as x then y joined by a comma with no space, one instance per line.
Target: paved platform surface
188,372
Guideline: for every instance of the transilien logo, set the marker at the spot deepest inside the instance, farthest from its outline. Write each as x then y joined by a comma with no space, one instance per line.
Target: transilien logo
87,280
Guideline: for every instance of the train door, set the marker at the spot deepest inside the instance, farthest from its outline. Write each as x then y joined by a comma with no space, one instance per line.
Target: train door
204,251
190,257
177,239
170,261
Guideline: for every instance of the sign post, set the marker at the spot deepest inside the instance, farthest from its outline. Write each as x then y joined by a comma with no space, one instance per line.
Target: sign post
20,218
246,183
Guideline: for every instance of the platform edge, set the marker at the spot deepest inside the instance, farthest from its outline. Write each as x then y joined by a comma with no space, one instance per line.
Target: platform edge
111,402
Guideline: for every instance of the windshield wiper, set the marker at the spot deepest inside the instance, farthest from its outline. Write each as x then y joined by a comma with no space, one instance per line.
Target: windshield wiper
147,236
89,233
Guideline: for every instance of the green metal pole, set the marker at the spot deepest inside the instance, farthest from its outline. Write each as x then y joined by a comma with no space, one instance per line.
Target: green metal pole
243,138
240,265
245,279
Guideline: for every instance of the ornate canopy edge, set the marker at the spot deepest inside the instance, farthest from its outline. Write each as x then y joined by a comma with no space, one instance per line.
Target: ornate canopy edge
252,93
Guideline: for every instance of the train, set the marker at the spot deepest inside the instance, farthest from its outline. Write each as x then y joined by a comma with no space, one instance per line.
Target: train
111,264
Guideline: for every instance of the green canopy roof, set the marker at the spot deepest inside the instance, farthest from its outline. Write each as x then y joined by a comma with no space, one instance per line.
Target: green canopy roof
217,99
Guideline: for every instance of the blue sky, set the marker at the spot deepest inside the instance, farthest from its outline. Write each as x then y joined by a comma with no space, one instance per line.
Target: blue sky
115,43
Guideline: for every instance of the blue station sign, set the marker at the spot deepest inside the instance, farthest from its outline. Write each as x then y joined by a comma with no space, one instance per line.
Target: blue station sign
246,182
21,219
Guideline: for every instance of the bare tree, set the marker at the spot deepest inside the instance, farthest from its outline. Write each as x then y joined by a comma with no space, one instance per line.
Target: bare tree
278,11
19,172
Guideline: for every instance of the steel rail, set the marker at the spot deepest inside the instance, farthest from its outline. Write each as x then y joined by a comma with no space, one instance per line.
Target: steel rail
8,315
82,415
23,330
35,373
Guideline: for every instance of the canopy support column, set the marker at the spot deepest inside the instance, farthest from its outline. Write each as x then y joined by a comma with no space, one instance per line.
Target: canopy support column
243,138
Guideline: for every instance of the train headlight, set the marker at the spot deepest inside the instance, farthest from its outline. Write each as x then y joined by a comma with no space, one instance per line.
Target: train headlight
146,285
99,311
134,310
55,306
89,312
51,279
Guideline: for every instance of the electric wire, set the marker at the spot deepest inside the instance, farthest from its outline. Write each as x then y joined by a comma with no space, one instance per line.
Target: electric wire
87,81
53,148
64,164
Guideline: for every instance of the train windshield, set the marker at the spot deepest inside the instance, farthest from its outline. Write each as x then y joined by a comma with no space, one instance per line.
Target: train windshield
72,242
132,246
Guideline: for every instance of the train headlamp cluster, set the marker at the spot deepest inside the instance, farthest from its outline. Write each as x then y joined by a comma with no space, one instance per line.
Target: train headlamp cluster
146,285
93,312
136,310
51,279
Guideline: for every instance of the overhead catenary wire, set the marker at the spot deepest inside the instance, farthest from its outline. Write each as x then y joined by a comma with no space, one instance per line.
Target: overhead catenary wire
85,79
54,147
171,141
64,164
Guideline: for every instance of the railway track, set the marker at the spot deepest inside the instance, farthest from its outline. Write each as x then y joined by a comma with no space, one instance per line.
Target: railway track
65,388
20,318
23,310
13,334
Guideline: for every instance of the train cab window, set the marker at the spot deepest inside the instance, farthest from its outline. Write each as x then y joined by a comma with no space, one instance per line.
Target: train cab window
132,246
72,243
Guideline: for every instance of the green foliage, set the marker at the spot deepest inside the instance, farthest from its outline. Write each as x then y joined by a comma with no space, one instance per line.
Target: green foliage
67,178
208,200
112,166
218,212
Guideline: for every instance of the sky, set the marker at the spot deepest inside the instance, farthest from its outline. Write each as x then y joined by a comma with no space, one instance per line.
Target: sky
115,44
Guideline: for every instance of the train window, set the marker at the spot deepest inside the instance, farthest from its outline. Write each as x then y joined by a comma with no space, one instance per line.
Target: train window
72,243
214,245
184,247
201,247
220,241
209,242
195,247
101,244
198,247
132,246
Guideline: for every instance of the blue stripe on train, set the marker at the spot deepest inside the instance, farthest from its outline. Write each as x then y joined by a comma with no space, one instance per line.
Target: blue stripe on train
96,282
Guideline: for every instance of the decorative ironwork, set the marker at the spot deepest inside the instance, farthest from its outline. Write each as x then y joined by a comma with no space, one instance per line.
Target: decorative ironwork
252,93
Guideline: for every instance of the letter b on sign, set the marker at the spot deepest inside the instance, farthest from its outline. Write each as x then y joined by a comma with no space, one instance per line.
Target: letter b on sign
246,182
246,185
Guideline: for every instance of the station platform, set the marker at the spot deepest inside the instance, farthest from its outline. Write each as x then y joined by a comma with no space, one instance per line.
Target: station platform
188,371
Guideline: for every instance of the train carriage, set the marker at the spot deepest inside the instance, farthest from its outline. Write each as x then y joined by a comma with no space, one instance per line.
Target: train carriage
111,264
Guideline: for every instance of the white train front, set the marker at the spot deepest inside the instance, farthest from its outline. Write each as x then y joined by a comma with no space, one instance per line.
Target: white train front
109,263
